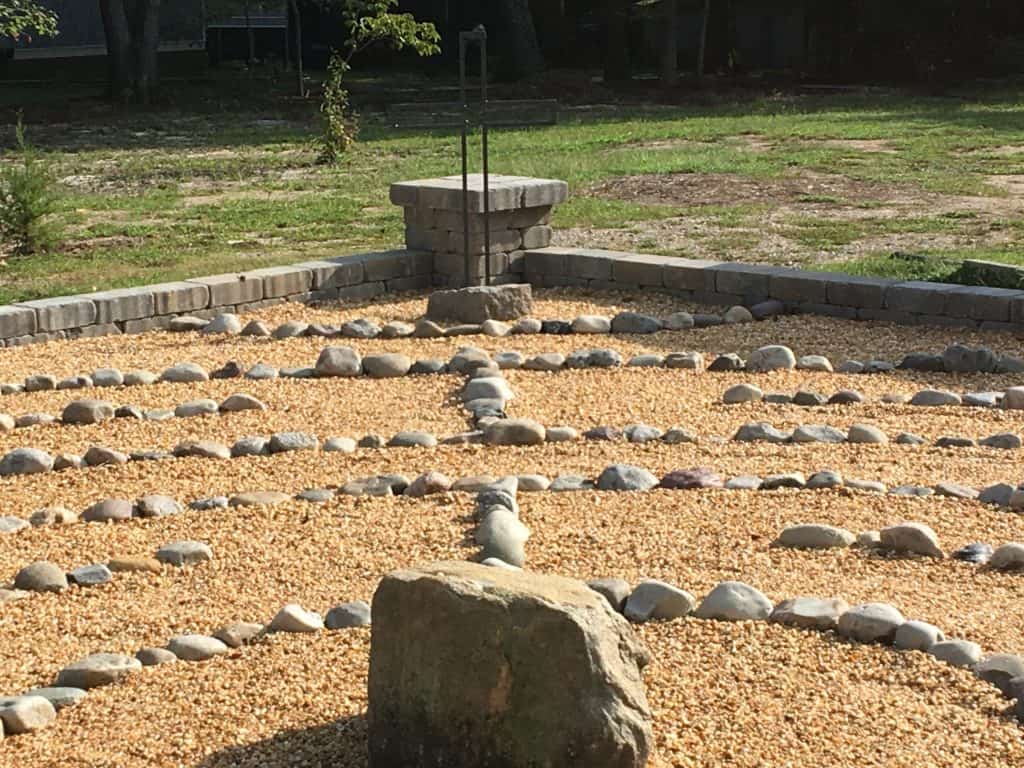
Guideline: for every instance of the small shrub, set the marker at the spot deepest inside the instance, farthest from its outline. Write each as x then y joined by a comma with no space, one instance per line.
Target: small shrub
340,126
28,200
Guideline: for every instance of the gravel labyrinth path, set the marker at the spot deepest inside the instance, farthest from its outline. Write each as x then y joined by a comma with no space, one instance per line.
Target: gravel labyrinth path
282,689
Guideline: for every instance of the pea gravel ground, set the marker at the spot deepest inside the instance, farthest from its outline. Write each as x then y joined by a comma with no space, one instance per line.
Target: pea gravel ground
722,694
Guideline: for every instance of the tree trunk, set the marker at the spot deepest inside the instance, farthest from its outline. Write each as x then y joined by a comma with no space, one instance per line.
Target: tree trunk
250,36
118,33
298,47
616,47
670,44
702,47
522,57
147,44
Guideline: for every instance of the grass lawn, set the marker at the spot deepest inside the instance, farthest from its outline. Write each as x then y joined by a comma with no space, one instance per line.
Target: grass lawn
230,181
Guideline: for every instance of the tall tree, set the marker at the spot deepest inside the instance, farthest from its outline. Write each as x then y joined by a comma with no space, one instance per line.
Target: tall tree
703,44
670,43
616,42
523,57
132,29
21,18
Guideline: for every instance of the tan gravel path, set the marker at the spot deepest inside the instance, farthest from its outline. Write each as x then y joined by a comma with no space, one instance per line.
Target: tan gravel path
723,695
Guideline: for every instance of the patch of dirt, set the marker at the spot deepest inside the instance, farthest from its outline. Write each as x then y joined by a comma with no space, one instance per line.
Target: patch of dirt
246,194
1012,183
861,145
697,189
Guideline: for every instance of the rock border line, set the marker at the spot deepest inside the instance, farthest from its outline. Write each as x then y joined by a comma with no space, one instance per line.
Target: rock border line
365,276
615,477
38,708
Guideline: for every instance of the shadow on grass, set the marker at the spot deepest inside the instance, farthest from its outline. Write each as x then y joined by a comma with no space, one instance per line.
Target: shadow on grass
340,744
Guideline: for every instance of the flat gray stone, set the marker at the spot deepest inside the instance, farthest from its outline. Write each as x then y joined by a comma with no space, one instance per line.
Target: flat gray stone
386,366
41,577
743,483
654,600
251,446
783,480
185,373
846,397
258,499
360,328
686,361
97,670
814,363
870,623
157,505
818,433
1005,441
514,432
726,363
239,633
154,657
1008,557
774,357
935,398
998,494
815,536
225,322
760,431
196,647
809,613
241,402
25,461
262,372
911,538
570,483
1000,669
114,510
26,714
348,615
641,433
203,407
742,393
10,524
734,601
412,439
87,412
293,618
635,323
625,477
339,361
866,434
917,636
291,329
615,591
339,445
825,479
283,442
678,321
59,697
548,361
90,575
591,324
183,553
909,438
958,653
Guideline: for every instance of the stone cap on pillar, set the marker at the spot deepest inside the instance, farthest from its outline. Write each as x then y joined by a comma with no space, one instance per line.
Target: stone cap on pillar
507,193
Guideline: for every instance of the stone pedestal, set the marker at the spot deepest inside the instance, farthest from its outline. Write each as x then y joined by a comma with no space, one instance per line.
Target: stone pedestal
520,208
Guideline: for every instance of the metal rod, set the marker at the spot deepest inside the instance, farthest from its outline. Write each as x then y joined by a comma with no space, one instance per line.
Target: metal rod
486,157
465,153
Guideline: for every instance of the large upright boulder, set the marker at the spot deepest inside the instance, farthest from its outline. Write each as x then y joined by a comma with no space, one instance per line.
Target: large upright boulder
474,666
481,302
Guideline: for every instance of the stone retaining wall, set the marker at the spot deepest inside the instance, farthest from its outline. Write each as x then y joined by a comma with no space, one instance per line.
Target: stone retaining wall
824,293
133,310
520,206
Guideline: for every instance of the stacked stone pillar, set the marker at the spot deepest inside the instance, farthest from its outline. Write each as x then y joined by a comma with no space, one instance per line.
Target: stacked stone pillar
520,209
